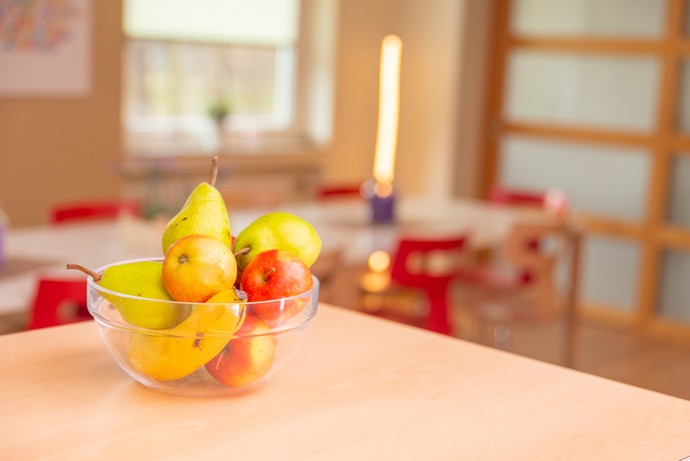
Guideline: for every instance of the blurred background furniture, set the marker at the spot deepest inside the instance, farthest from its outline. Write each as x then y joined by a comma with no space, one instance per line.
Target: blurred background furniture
547,199
58,301
343,225
549,295
332,191
416,289
93,210
554,202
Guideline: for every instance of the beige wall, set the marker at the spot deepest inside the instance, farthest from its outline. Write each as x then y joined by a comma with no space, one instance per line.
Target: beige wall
54,150
471,96
443,70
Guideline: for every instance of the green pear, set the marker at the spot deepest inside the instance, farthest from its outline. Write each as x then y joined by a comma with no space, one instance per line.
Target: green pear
141,279
203,213
278,231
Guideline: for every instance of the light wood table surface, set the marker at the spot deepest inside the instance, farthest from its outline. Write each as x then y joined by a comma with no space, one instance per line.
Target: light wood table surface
359,388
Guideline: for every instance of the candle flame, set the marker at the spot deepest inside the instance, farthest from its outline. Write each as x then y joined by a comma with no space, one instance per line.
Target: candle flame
389,109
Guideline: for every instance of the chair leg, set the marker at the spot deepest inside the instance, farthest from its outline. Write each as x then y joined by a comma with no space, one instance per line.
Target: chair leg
502,336
437,319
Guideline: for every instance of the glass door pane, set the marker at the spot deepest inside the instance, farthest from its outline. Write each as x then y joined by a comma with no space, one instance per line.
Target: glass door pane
610,272
599,179
600,91
593,18
674,297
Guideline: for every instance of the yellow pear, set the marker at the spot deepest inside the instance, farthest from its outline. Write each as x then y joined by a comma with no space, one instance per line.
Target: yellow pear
177,352
203,213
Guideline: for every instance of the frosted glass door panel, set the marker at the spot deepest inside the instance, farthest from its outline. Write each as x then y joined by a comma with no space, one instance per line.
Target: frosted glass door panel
599,179
674,297
679,192
600,91
597,18
610,272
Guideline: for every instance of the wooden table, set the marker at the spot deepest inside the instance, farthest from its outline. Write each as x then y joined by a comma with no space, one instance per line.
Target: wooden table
342,224
359,388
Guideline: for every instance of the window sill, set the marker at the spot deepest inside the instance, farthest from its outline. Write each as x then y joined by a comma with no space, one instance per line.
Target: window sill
181,144
275,170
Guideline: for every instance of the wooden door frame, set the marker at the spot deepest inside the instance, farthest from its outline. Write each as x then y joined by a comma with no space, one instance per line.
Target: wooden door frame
653,234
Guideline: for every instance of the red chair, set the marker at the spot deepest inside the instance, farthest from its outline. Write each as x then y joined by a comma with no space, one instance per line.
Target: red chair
339,191
552,200
426,267
58,302
508,196
93,210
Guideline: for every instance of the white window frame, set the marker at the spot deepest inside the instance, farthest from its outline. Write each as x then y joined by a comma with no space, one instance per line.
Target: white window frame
311,105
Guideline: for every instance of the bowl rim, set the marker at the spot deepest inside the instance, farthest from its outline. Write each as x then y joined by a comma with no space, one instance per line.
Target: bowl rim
291,324
93,284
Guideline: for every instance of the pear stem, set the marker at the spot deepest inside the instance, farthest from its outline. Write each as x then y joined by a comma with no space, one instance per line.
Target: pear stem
94,275
214,170
243,251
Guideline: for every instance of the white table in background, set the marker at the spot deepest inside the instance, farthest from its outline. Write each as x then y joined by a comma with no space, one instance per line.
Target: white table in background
342,224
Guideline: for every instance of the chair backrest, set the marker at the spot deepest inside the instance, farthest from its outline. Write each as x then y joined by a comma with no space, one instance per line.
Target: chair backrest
53,297
510,196
93,210
541,264
429,264
554,201
339,191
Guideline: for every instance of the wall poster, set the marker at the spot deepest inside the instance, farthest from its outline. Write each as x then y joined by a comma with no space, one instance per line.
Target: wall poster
45,48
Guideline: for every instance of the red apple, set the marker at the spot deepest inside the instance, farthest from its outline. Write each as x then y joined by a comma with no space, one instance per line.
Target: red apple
247,358
197,267
272,275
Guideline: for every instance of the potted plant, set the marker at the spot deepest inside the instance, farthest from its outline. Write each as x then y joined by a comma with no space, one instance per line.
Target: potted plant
218,111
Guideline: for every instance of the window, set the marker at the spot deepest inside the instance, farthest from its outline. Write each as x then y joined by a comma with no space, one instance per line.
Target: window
202,74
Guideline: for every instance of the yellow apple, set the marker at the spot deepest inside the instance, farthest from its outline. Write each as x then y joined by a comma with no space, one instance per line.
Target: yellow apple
196,267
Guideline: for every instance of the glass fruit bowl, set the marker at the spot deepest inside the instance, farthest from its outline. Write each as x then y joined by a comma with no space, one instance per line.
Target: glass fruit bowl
205,349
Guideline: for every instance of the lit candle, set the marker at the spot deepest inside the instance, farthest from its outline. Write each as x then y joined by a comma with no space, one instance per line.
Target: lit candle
389,108
387,133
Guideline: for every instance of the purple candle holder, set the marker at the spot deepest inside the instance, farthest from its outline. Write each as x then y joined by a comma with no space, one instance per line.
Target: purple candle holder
382,208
